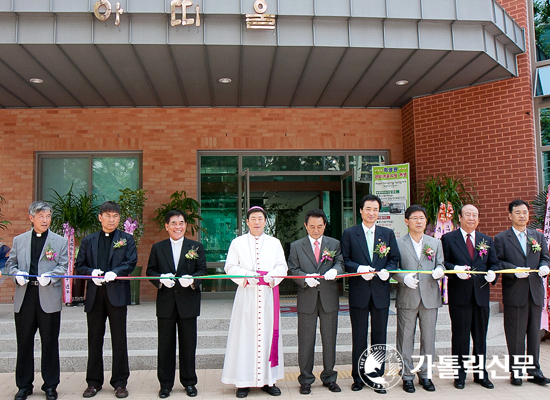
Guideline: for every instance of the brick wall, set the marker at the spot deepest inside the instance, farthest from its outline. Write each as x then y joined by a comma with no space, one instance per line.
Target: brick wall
169,139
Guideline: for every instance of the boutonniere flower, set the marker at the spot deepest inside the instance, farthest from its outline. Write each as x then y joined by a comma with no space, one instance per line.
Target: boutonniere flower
535,246
328,255
382,249
192,254
120,243
429,252
49,252
482,247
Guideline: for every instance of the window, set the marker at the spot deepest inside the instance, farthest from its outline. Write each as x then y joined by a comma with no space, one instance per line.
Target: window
101,173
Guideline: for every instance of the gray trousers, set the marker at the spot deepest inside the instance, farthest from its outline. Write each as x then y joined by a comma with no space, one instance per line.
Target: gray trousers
406,328
307,327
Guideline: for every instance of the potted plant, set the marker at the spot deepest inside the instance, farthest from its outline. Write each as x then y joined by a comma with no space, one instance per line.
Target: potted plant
3,223
188,205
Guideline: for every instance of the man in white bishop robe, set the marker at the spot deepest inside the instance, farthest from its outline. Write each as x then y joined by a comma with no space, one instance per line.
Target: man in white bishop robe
254,352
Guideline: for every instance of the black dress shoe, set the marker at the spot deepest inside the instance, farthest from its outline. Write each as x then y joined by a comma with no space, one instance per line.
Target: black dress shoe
164,393
408,386
539,380
121,392
191,391
332,386
305,388
242,392
272,390
91,391
515,381
427,384
22,394
51,394
357,386
380,391
459,383
486,383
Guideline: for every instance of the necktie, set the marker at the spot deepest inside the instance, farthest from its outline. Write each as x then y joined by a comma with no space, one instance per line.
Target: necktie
469,245
317,251
370,243
523,242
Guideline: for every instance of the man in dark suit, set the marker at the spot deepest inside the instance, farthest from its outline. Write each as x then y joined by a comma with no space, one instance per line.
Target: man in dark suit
465,249
178,303
373,250
523,292
37,301
316,254
113,253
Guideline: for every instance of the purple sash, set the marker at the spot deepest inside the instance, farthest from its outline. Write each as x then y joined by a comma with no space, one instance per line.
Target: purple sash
274,356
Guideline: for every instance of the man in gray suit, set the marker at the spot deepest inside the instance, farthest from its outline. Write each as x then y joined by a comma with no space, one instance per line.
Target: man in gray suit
41,254
418,295
523,292
316,254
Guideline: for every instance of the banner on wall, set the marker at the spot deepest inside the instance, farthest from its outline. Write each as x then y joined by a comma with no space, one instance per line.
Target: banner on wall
392,184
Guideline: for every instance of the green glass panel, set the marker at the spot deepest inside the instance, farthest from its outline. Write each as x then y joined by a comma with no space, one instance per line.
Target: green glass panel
363,166
541,19
110,174
294,163
544,114
546,167
60,173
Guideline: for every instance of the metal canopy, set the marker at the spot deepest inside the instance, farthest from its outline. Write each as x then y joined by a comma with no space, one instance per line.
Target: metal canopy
333,53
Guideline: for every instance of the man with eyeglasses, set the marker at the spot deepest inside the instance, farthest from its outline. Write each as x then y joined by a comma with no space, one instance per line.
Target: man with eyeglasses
418,295
466,249
106,255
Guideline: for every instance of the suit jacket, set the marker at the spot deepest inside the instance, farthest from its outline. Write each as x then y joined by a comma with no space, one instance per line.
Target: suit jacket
161,261
20,260
428,288
302,262
515,291
355,252
122,262
456,253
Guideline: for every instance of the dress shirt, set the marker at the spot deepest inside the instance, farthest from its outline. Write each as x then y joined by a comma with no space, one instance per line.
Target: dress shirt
176,250
418,246
320,240
520,240
472,237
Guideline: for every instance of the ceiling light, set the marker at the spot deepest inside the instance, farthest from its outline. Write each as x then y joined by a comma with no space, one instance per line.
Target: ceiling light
402,82
36,80
224,80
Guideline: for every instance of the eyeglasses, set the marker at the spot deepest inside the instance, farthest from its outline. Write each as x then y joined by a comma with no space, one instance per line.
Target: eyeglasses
417,219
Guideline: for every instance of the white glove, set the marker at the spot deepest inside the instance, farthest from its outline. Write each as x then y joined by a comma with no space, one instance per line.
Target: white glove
462,275
411,281
252,281
438,273
383,274
491,276
268,278
166,281
44,279
186,280
21,278
521,275
543,271
98,281
312,282
366,268
330,275
110,276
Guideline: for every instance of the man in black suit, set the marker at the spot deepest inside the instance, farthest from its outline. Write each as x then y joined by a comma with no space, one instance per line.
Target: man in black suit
316,254
523,292
465,249
178,303
368,248
113,253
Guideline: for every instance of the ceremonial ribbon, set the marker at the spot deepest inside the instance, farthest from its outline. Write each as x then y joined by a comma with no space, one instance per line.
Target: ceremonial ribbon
274,355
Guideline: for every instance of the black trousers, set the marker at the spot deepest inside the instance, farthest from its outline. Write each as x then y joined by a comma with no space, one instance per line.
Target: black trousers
520,322
97,317
359,332
467,320
30,318
187,343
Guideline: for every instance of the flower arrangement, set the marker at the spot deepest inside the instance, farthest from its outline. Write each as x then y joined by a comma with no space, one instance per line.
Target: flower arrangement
535,246
328,255
429,252
483,248
49,252
382,249
192,254
120,243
